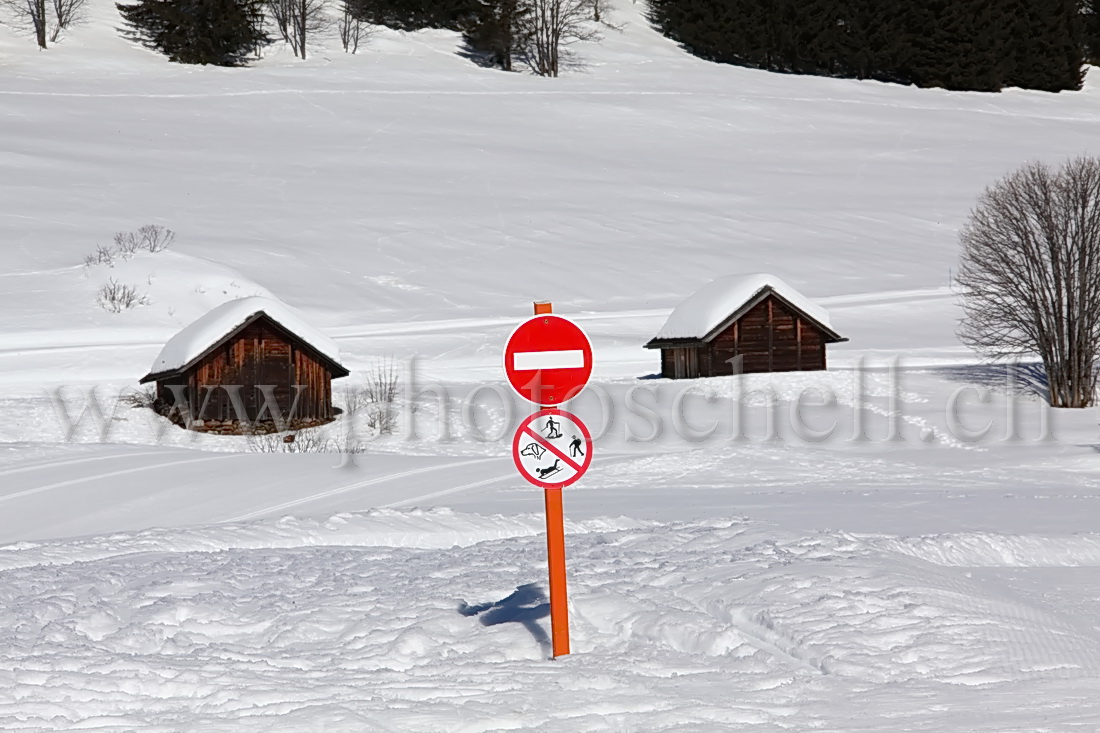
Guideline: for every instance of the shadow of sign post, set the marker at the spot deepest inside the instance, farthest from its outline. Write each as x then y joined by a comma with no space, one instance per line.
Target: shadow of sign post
525,606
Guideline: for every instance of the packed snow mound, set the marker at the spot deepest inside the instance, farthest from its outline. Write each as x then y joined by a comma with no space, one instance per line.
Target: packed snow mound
707,307
724,624
192,341
437,528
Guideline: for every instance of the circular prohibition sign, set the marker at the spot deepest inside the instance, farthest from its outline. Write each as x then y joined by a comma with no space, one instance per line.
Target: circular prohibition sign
548,360
552,448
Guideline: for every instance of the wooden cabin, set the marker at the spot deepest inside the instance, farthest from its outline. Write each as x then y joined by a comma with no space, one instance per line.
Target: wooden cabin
742,325
237,351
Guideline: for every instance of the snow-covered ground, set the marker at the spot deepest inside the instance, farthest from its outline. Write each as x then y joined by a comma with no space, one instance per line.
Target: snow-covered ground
904,571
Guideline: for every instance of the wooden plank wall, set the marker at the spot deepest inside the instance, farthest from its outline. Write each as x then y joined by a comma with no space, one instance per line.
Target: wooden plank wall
770,338
259,355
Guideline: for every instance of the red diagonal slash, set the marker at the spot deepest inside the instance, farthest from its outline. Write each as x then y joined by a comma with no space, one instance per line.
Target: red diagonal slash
552,448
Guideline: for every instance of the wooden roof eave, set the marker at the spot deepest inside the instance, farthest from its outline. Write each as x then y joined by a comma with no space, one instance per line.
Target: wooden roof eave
159,376
337,369
678,343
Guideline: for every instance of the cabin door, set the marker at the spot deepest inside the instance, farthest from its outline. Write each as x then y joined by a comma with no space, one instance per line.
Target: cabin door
685,363
276,371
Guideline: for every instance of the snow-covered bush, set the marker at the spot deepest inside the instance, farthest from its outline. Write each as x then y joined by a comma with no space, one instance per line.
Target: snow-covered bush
376,398
114,297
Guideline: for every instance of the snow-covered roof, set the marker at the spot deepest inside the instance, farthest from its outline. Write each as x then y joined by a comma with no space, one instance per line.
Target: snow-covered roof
195,339
711,305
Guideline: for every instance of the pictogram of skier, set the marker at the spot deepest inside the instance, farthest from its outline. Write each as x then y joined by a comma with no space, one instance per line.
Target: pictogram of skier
575,449
552,426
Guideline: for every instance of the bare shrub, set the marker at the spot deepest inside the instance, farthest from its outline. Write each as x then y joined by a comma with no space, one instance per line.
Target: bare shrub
308,440
139,398
349,444
264,442
151,238
114,297
377,396
1030,274
126,244
155,238
101,256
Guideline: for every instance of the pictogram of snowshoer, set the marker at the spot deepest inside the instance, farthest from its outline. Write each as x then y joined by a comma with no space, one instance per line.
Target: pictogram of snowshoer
575,448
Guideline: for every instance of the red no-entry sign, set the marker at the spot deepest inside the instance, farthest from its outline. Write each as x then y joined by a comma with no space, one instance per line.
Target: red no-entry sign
548,360
552,449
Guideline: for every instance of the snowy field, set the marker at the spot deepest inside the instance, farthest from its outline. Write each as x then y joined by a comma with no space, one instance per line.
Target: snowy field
904,571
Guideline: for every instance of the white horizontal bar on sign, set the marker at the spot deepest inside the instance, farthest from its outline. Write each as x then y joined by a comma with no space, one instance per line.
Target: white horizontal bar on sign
530,360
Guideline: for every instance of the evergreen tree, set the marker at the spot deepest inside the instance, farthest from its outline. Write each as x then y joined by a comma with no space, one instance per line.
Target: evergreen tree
954,44
1047,49
1090,28
870,42
412,15
496,30
219,32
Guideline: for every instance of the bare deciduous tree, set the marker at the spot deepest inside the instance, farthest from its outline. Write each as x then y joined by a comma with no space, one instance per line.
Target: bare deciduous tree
280,13
45,18
29,15
599,9
1030,274
353,29
554,25
298,20
310,16
65,13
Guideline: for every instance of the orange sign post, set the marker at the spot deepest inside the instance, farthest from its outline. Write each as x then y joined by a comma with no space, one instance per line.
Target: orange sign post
555,555
548,447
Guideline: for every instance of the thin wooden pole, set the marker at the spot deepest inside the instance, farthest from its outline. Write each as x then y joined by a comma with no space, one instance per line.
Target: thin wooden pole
555,554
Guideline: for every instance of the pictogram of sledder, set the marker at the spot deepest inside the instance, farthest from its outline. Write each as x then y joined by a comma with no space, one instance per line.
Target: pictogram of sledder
544,472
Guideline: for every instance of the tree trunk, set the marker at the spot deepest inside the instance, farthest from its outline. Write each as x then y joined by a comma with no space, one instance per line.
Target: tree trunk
40,21
302,15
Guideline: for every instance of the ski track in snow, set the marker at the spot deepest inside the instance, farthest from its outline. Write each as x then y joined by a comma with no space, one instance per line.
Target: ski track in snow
358,485
95,478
